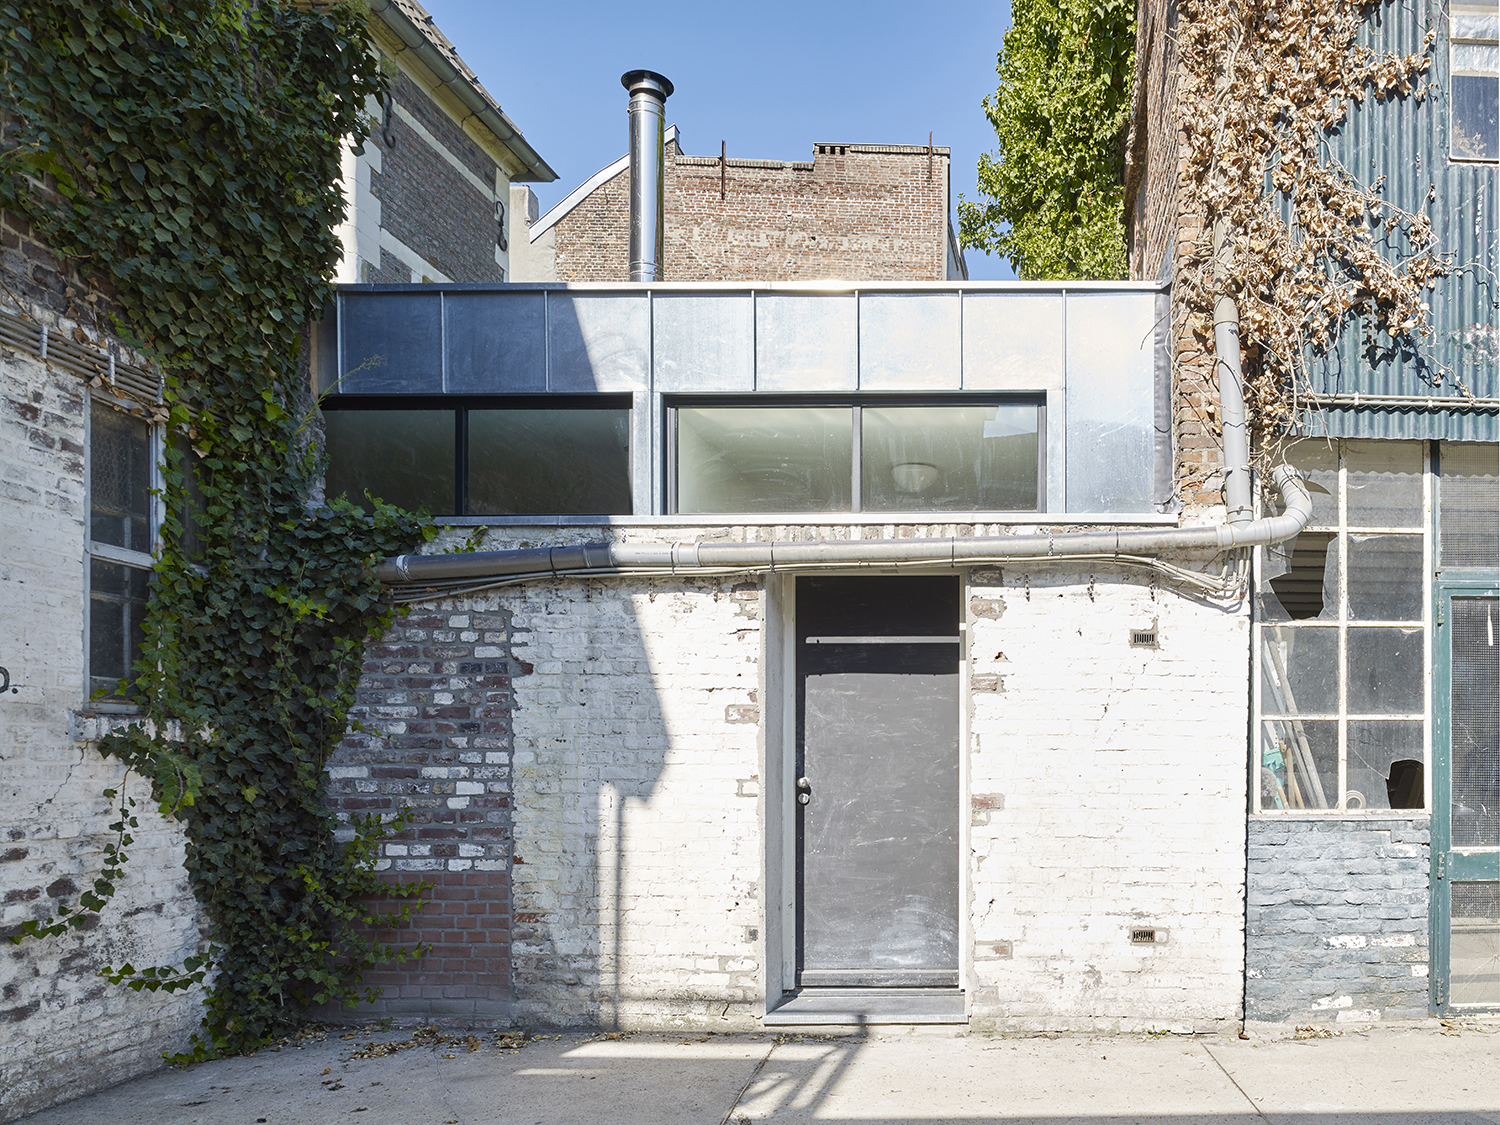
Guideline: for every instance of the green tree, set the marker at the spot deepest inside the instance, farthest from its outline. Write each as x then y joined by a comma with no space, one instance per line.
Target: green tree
1053,189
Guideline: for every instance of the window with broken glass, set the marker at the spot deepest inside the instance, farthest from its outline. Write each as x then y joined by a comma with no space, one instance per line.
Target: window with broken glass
122,477
1342,694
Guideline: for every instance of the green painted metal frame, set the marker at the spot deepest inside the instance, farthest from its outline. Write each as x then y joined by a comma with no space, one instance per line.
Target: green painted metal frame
1449,866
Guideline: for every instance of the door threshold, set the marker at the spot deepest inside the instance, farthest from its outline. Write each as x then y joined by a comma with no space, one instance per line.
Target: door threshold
862,1007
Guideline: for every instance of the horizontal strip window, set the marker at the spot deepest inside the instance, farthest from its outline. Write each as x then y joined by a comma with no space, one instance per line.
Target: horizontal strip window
494,456
873,455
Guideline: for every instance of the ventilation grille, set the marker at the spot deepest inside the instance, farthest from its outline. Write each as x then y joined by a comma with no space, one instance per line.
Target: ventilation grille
1143,638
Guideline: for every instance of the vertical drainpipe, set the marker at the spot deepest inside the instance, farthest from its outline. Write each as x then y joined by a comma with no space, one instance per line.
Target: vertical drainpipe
1237,494
648,162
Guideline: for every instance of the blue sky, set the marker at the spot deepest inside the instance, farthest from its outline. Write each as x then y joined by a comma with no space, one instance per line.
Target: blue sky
770,78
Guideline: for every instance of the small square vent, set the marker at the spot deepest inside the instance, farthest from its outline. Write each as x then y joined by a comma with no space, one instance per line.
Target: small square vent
1143,638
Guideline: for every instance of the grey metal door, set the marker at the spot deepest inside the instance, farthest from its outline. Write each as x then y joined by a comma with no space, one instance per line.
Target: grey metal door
877,781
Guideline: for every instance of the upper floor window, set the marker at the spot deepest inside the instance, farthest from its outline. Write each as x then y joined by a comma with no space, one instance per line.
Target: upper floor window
484,457
876,456
122,527
1474,75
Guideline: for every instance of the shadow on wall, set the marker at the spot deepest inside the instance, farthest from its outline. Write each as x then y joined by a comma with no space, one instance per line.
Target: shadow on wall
635,879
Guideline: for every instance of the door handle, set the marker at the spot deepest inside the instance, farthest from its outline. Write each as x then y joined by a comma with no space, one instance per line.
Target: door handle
804,791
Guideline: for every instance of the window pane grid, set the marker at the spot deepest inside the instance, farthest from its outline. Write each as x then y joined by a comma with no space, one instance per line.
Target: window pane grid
1353,737
859,457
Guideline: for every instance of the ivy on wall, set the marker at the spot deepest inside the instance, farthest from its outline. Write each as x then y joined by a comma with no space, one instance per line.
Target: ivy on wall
1308,248
1054,187
188,153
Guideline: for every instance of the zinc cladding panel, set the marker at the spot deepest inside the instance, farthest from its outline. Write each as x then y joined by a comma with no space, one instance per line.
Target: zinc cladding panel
1406,143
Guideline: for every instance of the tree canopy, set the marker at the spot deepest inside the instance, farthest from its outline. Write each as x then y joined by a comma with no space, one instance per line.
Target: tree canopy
1053,192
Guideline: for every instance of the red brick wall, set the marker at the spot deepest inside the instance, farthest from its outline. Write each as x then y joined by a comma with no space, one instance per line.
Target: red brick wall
1161,227
855,212
435,702
426,203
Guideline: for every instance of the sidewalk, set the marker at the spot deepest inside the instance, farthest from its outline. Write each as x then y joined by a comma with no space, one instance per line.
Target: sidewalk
1393,1076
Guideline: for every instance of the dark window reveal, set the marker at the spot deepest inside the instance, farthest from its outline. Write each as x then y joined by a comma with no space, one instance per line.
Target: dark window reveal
482,458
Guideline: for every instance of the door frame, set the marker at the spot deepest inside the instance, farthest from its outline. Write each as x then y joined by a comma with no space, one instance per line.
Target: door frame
778,798
1448,865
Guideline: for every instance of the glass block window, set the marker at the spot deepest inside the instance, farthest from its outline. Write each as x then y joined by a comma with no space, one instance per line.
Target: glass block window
122,524
1341,637
1474,78
858,457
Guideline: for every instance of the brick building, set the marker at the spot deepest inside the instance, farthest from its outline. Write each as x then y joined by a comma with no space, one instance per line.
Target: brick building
79,445
853,212
428,193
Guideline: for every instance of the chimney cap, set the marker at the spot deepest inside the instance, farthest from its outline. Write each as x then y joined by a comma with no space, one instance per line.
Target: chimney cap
647,81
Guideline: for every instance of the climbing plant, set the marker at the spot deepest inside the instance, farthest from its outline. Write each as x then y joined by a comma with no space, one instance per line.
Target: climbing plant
1308,249
1054,187
187,154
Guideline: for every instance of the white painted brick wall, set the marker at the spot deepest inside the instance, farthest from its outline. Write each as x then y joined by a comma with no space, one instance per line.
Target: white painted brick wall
638,872
1111,786
65,1030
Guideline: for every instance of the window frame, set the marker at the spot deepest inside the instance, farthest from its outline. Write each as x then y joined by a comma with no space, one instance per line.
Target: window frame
856,403
107,552
461,405
1342,530
1453,41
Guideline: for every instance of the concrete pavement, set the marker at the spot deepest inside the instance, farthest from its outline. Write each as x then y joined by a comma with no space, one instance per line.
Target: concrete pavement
1391,1076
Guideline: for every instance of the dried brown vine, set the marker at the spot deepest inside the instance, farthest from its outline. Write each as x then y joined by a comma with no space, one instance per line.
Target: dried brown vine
1310,248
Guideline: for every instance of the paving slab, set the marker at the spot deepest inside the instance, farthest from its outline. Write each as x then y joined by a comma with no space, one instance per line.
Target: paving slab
1385,1076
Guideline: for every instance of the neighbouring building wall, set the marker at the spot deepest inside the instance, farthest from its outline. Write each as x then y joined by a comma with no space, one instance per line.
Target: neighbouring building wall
1337,920
66,1031
854,212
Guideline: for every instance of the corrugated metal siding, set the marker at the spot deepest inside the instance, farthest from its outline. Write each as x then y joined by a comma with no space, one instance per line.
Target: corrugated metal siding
1406,142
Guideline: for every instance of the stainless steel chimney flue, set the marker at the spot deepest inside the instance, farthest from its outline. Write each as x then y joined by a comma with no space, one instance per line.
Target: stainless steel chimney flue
649,92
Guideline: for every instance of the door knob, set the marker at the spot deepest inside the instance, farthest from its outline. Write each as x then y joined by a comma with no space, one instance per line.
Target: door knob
804,791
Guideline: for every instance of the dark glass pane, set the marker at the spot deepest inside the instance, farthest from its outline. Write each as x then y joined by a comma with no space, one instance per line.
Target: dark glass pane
404,457
1385,672
1299,764
119,479
765,459
188,503
549,462
117,606
949,458
1475,727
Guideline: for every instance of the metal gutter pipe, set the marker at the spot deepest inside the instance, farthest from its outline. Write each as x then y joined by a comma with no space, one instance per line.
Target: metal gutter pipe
649,92
1237,491
950,551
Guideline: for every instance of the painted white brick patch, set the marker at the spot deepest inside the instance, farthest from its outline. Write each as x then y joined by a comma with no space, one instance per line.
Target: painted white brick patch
637,865
66,1031
1109,784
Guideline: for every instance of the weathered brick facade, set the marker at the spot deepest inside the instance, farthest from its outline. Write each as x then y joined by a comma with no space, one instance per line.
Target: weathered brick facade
428,204
1337,920
1161,227
63,1029
854,212
435,703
